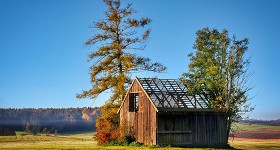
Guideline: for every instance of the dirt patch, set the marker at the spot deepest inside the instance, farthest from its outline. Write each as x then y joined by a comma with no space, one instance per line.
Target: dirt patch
265,134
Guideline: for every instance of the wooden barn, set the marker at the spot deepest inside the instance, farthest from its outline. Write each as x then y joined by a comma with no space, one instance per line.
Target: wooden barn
160,112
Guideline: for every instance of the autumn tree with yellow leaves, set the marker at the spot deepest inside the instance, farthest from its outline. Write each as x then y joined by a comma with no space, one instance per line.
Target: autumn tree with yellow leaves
116,39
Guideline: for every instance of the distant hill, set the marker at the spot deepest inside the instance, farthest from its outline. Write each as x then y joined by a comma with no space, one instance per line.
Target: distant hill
263,122
49,119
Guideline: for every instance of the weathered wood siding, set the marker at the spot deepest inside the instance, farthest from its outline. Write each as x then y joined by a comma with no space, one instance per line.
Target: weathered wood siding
142,123
191,129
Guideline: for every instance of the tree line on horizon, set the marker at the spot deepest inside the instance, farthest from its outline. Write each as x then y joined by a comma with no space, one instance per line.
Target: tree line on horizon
48,120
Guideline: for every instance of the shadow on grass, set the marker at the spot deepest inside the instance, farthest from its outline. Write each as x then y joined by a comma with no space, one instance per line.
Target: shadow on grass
210,147
136,144
77,132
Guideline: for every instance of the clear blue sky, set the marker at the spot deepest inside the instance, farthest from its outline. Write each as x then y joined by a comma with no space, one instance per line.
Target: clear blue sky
43,57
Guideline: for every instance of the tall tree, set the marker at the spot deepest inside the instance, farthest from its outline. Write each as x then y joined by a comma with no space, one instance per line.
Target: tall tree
219,70
116,39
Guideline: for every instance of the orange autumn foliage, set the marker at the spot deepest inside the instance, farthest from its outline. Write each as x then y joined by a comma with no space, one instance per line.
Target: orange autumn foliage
107,126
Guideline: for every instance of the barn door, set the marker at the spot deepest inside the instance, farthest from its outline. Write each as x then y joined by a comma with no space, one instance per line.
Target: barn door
176,138
173,131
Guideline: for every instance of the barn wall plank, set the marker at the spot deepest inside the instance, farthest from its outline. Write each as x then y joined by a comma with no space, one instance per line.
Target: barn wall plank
206,129
142,122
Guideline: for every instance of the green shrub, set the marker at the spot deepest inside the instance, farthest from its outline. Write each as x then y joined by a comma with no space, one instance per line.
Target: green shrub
136,144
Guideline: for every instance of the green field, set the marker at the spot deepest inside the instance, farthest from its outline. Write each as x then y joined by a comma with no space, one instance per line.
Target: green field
85,141
253,127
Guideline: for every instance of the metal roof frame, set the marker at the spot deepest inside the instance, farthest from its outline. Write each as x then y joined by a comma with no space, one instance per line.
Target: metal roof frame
171,93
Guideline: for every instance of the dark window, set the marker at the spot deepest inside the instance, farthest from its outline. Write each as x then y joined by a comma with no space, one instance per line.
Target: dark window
133,102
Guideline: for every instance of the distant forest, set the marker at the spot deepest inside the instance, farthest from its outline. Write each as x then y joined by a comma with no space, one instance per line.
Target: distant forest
263,122
48,120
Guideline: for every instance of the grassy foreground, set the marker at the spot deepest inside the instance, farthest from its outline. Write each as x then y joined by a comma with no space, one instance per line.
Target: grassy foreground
85,141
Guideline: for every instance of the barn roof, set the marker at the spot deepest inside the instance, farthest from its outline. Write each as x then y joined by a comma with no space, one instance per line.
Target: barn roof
171,93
